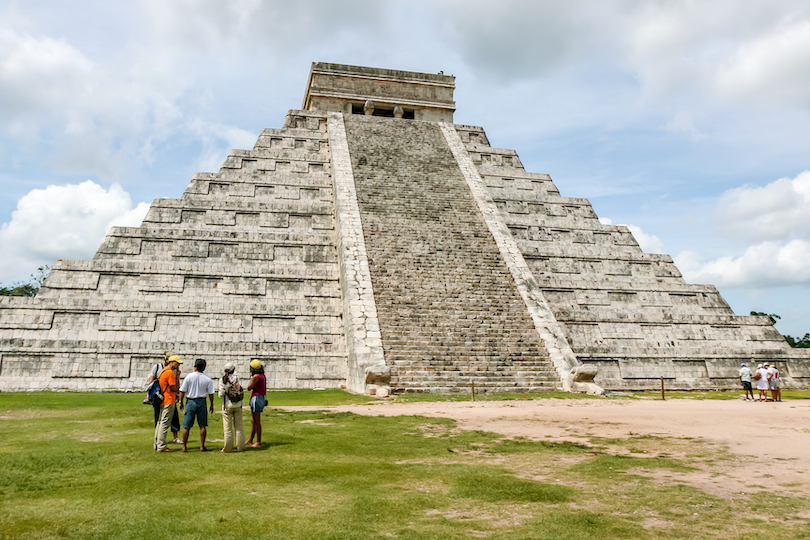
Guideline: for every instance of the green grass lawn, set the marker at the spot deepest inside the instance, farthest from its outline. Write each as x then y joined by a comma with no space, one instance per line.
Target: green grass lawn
81,466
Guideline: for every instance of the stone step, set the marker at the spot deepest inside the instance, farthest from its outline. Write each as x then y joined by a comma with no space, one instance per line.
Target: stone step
447,304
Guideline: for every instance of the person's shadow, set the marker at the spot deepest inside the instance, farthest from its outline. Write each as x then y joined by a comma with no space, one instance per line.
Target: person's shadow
268,445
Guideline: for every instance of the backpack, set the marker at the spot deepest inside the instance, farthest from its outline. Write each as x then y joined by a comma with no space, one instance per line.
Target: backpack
757,375
155,393
235,392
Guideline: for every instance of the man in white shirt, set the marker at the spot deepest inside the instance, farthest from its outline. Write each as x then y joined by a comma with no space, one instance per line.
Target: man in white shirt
761,376
773,383
196,386
745,381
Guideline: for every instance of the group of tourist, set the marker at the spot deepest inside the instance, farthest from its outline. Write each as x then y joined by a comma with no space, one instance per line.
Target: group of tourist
766,377
166,392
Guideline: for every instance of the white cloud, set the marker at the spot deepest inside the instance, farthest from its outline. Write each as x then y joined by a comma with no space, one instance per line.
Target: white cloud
682,122
779,211
38,73
775,66
515,39
63,222
93,118
649,243
765,265
775,220
720,49
217,141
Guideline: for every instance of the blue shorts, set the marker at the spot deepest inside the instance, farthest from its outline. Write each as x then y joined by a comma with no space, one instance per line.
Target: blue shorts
195,408
257,403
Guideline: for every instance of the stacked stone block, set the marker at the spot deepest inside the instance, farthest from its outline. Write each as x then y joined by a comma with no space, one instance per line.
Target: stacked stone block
449,311
628,312
242,266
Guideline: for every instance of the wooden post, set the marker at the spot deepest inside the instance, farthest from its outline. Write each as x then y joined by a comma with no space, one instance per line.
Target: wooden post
473,390
662,389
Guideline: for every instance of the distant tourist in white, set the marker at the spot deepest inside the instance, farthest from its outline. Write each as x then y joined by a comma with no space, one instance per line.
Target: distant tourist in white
761,376
773,383
232,394
745,381
197,386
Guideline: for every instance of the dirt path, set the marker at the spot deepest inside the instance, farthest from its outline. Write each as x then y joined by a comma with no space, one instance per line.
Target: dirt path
770,441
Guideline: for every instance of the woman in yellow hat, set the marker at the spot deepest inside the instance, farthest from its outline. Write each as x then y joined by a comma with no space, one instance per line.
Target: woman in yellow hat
258,386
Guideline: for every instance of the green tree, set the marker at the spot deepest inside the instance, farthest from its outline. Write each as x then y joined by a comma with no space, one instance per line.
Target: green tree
27,288
798,343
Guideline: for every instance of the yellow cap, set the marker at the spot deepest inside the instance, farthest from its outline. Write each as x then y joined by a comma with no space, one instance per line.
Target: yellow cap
255,363
175,359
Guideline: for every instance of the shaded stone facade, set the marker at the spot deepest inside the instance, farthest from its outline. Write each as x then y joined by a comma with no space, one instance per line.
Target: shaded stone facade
374,245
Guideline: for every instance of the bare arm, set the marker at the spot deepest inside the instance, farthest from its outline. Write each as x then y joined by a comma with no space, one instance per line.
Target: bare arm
253,381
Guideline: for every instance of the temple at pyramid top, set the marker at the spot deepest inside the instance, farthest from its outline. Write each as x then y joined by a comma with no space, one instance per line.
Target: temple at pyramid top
380,92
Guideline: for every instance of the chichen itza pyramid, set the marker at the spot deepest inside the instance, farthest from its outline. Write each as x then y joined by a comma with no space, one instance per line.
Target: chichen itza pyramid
374,245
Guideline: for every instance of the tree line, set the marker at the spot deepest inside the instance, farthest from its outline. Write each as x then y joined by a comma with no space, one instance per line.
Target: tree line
27,288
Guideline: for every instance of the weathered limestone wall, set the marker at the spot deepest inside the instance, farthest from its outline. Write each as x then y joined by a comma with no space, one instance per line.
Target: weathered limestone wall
449,309
336,87
244,265
627,312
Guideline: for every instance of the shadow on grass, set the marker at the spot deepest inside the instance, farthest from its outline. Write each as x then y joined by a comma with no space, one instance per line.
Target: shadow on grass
498,488
268,446
517,446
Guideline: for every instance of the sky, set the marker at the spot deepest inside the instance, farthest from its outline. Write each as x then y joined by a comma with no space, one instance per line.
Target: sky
688,121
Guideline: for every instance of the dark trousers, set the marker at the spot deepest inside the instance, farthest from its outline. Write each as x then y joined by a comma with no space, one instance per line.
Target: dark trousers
175,417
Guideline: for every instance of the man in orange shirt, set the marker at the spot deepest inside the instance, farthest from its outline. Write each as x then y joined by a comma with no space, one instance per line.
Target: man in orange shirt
168,384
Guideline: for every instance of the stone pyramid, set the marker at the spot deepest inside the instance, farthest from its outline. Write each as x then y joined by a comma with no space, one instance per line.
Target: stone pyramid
373,245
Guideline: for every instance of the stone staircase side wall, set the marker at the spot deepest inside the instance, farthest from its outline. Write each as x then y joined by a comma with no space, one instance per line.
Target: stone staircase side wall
363,340
449,310
552,333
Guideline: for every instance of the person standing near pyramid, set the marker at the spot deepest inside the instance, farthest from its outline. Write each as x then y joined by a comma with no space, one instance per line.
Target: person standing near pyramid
773,383
745,381
169,386
761,376
153,376
258,385
197,386
231,393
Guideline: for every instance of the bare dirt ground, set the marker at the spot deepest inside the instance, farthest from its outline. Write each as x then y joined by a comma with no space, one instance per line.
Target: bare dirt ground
751,446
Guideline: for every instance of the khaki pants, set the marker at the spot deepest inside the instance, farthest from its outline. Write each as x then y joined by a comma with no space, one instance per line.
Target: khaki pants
232,425
162,428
